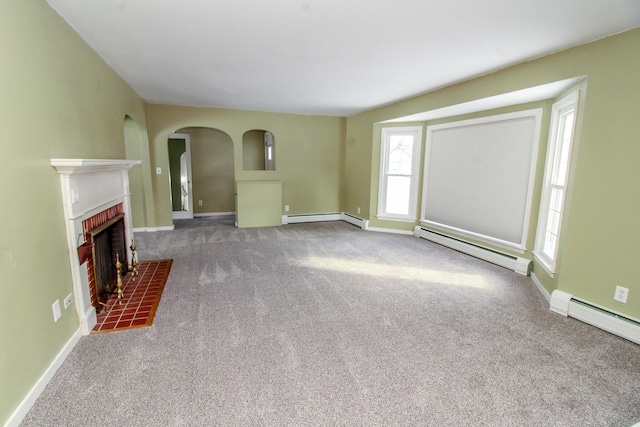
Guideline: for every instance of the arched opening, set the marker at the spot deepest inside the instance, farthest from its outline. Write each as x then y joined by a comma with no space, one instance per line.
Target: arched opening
212,171
258,150
133,151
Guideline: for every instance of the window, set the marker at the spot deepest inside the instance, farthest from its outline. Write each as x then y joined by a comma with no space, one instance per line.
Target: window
479,175
555,181
399,165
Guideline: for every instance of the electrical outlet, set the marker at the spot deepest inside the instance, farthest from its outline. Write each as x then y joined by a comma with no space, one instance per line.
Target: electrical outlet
68,300
199,202
621,294
286,208
56,310
358,209
158,171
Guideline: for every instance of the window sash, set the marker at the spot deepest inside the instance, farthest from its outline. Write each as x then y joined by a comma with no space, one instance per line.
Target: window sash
552,202
399,168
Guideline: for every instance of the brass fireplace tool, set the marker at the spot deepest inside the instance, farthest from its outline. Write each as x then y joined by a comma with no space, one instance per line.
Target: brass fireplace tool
119,279
134,261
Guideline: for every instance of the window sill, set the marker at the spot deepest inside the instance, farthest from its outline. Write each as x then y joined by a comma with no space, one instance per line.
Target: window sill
546,265
390,218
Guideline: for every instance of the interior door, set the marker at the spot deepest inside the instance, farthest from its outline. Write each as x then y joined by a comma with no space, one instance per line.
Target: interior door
179,146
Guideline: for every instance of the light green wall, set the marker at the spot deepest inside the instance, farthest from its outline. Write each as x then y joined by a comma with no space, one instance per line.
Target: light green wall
310,153
259,203
58,99
212,170
597,251
134,144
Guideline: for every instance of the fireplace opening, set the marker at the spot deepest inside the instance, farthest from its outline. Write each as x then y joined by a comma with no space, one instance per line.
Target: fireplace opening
109,246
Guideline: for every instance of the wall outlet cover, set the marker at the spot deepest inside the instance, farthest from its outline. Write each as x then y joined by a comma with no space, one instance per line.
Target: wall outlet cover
68,300
621,294
56,310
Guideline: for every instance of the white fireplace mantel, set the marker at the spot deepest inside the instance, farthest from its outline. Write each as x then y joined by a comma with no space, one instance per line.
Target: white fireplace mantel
90,186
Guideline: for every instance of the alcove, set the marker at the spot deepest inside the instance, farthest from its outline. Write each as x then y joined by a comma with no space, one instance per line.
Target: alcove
258,150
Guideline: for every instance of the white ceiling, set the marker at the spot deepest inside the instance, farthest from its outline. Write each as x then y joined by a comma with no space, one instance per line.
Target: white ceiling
327,57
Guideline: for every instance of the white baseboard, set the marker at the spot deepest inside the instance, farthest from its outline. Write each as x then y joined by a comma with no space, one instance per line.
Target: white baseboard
541,288
518,264
298,219
604,318
89,321
205,214
23,408
153,229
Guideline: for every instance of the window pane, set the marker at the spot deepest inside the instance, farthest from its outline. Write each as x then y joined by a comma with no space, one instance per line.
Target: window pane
400,151
549,248
564,145
398,191
556,199
553,224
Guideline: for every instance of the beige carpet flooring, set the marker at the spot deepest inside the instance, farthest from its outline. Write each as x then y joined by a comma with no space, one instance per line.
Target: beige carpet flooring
327,324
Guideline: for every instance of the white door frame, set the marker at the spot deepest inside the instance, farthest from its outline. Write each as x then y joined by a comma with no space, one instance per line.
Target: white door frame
188,214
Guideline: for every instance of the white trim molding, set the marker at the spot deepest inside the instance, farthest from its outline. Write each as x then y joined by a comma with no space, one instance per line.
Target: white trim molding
539,286
567,305
29,400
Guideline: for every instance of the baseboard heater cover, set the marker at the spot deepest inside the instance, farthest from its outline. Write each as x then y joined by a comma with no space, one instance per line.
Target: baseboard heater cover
567,305
334,216
518,264
300,218
354,220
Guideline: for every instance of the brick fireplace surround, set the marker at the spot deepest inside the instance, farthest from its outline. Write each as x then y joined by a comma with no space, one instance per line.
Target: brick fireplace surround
90,188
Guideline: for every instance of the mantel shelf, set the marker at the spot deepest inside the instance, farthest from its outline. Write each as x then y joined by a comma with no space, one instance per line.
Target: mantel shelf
83,166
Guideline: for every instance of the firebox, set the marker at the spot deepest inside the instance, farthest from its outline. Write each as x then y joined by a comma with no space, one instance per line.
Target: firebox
109,246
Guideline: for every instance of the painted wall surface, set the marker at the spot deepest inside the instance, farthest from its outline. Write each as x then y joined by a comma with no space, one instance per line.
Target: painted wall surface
601,224
310,153
259,203
212,170
253,150
58,99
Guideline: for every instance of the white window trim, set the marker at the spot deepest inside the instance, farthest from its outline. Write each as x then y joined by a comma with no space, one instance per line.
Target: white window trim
558,109
416,155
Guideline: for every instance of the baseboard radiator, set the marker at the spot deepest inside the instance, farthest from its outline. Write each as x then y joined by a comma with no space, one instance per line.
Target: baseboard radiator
335,216
354,220
518,264
567,305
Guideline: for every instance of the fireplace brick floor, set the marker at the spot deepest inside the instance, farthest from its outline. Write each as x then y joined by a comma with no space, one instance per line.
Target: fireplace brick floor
141,298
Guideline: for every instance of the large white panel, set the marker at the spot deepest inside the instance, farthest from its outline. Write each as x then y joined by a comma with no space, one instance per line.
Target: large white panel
479,176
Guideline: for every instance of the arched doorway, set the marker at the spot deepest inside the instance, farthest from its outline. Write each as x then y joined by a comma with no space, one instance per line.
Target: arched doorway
212,171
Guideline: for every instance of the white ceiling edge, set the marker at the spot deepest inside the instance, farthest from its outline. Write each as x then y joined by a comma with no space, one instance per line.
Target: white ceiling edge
523,96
